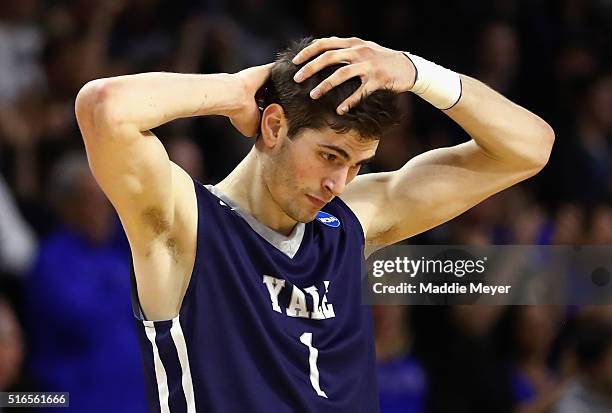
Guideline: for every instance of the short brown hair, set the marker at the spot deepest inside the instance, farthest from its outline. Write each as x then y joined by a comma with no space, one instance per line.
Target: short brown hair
371,118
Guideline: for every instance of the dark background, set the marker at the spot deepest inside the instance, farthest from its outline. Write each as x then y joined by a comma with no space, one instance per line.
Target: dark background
65,318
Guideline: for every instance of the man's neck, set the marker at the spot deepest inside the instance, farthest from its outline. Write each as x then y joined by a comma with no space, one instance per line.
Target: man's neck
246,187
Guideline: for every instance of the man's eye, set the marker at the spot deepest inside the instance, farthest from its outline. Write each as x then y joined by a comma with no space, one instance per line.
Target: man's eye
328,156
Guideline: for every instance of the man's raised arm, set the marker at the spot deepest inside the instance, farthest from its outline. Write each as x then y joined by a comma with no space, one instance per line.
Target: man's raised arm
153,197
116,114
509,143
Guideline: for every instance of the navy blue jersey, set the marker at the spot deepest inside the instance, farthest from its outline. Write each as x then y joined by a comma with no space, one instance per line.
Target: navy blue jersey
269,323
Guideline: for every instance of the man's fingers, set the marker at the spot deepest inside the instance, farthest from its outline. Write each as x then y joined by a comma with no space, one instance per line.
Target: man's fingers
327,54
339,76
321,45
328,58
256,74
353,100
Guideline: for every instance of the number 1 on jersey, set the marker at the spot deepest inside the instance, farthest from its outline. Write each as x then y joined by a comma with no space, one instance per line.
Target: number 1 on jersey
306,339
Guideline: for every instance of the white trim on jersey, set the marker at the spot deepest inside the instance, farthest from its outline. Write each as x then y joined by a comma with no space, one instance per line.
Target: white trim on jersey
181,348
160,371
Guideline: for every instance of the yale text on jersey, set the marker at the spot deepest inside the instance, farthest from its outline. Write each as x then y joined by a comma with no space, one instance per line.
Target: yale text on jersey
321,309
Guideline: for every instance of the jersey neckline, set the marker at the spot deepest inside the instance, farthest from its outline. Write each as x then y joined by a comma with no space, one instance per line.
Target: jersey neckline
288,245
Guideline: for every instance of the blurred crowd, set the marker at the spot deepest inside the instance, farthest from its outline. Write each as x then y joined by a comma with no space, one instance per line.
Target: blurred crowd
65,316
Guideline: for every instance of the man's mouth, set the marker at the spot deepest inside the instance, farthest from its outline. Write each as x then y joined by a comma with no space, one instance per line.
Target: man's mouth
319,203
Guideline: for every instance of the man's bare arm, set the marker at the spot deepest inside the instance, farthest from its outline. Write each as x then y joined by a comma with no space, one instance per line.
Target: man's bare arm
509,144
153,197
128,161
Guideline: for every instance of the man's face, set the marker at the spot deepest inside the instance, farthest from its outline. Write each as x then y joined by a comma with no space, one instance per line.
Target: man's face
308,171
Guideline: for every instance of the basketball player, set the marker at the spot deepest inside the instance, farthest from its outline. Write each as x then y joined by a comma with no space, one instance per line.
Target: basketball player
248,292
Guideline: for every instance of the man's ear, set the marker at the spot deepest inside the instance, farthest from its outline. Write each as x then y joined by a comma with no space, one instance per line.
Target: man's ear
273,125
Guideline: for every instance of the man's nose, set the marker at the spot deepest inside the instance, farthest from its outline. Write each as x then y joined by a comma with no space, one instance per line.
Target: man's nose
336,181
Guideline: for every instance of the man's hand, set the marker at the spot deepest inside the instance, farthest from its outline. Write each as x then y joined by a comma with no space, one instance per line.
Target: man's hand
376,66
246,119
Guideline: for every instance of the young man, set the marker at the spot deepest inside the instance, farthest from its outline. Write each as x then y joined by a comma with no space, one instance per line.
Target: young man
254,284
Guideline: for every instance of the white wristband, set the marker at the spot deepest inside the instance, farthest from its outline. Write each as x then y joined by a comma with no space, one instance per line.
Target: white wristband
436,84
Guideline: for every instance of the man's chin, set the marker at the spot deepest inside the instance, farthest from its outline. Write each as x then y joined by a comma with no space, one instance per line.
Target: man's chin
306,213
305,217
310,219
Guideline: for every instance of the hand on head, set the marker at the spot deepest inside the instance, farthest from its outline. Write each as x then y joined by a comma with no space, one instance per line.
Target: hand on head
376,66
251,80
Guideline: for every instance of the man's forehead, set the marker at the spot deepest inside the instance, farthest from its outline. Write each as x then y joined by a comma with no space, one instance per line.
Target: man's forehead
350,142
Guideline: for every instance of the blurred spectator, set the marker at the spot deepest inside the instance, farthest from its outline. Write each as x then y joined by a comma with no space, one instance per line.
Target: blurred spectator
82,337
537,388
591,392
569,225
499,58
17,241
467,372
186,154
11,347
600,228
575,61
402,380
21,43
329,18
587,146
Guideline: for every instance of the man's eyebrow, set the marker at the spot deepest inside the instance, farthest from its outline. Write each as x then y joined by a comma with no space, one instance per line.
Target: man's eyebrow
345,155
338,149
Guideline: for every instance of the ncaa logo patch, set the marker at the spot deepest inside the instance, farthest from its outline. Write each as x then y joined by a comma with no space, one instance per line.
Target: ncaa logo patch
328,219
